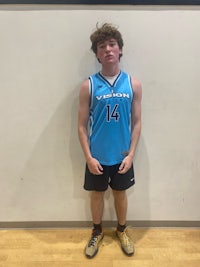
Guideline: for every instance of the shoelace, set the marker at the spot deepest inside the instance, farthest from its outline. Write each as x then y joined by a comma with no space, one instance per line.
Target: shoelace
126,239
92,241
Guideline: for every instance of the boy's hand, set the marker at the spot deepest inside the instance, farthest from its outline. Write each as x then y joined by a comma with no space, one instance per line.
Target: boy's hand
94,166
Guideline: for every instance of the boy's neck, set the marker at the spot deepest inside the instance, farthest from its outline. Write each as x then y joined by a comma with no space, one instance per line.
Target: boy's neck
110,70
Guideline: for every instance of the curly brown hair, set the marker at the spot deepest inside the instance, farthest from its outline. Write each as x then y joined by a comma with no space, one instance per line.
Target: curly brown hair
103,33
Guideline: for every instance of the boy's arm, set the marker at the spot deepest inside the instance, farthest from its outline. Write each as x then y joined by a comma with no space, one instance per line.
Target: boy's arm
83,118
135,126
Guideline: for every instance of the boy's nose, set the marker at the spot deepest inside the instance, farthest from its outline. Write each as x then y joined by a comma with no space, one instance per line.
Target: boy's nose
107,47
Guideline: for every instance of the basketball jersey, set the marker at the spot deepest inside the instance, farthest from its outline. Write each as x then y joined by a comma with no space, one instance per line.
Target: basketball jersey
110,115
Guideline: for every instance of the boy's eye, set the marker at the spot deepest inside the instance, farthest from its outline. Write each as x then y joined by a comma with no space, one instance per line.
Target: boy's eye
102,46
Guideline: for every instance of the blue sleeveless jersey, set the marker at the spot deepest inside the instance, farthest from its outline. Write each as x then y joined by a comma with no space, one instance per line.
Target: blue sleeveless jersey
110,115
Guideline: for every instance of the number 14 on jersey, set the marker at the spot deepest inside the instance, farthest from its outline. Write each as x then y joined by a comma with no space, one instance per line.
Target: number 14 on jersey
112,114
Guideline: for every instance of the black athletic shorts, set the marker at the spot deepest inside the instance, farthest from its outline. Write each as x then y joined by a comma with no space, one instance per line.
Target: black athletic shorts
109,177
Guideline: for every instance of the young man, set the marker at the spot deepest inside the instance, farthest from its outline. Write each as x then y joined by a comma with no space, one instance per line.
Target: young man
111,101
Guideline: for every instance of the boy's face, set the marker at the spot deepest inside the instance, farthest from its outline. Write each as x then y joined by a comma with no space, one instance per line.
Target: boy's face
108,51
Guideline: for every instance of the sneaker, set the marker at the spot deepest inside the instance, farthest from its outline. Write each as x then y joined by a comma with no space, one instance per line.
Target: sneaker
126,243
93,245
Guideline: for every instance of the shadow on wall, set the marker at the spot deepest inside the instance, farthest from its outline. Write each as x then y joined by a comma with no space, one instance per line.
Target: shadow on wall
141,196
51,184
75,151
53,170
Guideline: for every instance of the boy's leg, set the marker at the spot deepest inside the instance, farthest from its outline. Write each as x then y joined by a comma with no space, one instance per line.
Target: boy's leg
120,199
97,206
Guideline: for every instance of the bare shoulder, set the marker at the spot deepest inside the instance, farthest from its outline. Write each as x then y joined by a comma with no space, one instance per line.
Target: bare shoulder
84,90
84,86
137,87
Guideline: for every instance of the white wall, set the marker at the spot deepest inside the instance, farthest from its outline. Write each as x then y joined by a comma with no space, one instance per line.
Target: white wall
44,56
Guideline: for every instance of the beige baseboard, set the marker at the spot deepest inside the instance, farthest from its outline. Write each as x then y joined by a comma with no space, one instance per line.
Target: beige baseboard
81,224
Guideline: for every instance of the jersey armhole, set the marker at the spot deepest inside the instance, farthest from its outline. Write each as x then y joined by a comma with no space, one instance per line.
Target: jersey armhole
131,87
91,91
